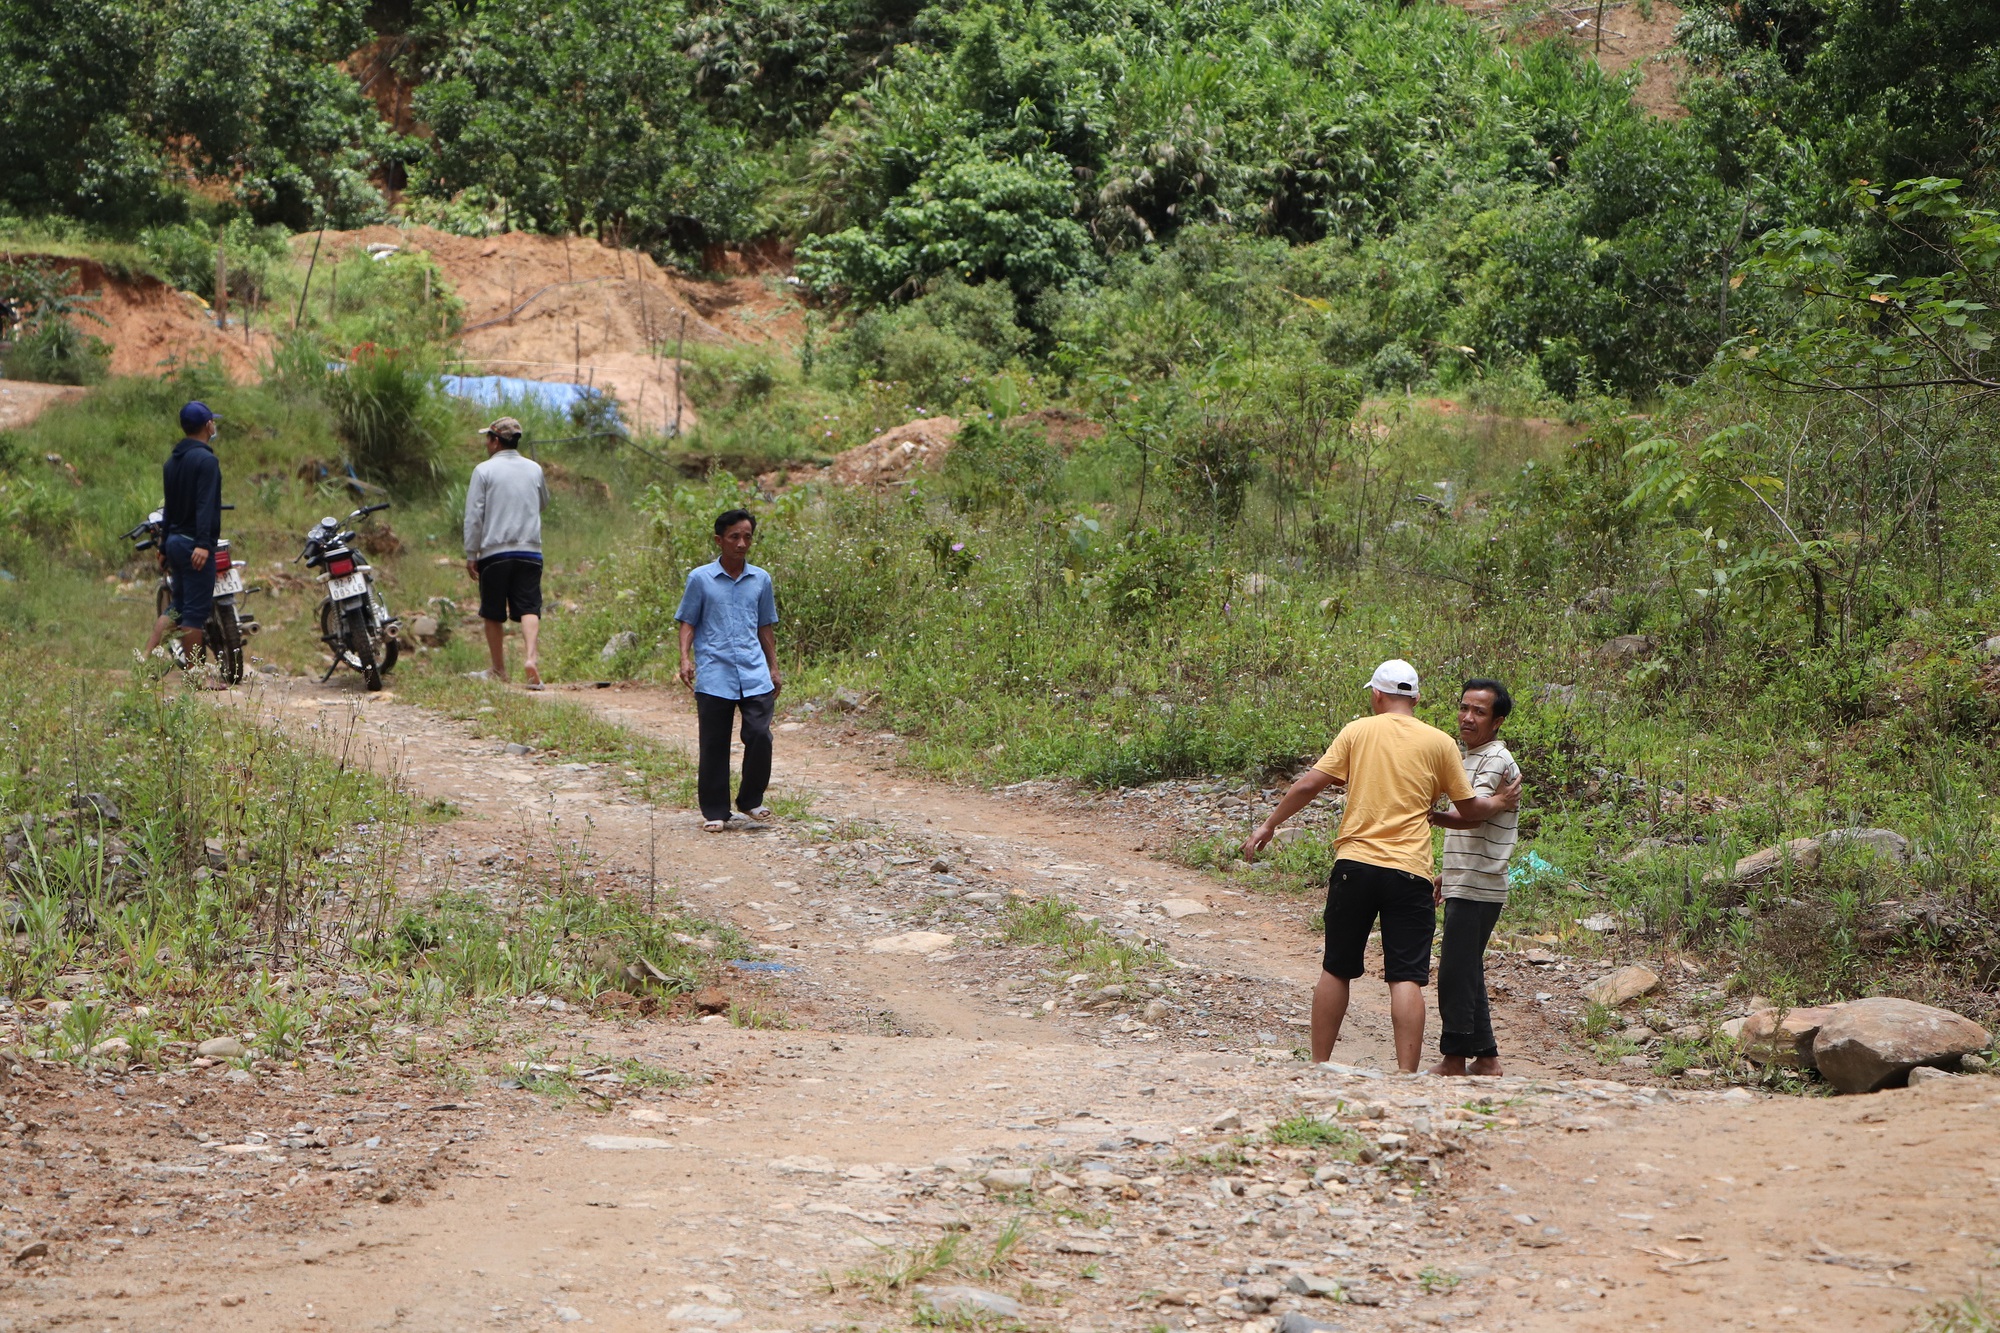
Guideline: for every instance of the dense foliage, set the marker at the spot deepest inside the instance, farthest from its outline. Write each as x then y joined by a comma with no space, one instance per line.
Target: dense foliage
1468,210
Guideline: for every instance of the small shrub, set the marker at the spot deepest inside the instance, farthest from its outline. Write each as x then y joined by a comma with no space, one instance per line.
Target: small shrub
56,351
389,409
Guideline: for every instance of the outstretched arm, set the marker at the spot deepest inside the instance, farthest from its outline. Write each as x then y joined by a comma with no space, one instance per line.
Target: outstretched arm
1297,797
1476,811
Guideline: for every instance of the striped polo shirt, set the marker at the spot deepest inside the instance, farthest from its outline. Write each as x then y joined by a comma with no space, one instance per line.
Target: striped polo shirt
1475,859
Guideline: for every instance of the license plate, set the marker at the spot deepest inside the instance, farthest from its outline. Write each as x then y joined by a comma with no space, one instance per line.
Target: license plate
228,582
343,588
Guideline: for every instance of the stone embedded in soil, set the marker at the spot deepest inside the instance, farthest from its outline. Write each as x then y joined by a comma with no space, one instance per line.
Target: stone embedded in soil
1803,853
1296,1321
222,1048
1783,1037
912,942
1874,1043
1628,982
1926,1074
624,1143
1176,908
970,1302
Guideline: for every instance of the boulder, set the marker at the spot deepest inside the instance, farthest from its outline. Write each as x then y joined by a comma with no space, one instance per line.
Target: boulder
1626,983
1783,1036
1802,852
1875,1043
624,641
1626,649
228,1048
429,631
1883,842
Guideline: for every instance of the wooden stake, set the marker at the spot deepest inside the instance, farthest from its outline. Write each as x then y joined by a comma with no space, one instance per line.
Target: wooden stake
221,288
680,344
310,265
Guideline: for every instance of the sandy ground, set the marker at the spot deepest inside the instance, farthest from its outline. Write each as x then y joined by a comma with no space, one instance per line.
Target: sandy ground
1153,1195
22,401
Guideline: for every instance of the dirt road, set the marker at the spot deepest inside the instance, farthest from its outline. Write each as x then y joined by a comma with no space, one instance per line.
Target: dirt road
965,1131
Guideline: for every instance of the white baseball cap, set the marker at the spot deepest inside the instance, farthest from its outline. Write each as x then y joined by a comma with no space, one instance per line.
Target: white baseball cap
1395,676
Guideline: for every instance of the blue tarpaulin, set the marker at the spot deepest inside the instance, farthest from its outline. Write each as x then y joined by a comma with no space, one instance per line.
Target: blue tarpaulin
495,390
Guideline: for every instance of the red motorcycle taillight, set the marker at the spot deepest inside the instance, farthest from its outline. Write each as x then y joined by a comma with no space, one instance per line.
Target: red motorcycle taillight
340,566
222,561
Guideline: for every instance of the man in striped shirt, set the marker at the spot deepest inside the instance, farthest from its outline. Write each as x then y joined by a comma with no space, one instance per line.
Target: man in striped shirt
1473,887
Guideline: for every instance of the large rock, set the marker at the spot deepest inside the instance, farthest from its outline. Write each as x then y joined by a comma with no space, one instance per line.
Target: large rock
1875,1043
890,458
1626,983
1627,648
1883,842
1803,853
1783,1036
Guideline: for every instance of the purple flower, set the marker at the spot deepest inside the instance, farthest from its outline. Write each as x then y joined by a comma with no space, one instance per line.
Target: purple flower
958,546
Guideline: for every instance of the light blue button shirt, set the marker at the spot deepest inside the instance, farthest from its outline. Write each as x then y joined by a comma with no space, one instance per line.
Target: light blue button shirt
726,614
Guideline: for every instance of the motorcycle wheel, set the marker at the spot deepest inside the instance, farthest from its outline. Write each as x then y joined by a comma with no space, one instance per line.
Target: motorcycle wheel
333,632
163,599
224,642
362,649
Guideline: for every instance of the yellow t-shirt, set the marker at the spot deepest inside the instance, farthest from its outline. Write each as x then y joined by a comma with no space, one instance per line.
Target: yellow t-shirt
1395,768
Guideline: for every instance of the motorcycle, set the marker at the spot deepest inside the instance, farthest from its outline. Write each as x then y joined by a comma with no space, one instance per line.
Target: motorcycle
229,620
353,619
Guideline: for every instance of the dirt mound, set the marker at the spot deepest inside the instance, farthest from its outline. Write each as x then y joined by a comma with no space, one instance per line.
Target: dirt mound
150,326
572,309
1064,427
889,458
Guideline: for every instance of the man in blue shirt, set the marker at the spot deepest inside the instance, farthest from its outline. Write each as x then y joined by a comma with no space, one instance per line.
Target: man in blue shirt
729,657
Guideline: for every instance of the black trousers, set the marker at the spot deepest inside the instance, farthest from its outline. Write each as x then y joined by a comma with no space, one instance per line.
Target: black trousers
714,715
1463,1014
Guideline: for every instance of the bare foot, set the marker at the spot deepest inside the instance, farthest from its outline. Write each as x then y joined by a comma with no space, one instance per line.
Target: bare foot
1486,1066
1452,1066
532,674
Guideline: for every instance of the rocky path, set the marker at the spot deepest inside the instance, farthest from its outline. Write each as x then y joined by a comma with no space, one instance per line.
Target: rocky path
962,1133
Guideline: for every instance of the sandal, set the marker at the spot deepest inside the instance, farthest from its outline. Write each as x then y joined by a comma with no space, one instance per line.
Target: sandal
532,676
760,814
714,825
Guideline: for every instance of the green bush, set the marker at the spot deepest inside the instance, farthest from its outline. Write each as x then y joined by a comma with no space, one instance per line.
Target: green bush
392,415
56,351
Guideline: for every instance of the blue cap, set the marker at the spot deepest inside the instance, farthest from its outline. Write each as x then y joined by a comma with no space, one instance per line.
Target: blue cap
194,416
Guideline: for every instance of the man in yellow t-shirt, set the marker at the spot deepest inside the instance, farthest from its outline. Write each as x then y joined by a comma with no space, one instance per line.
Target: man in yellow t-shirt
1394,768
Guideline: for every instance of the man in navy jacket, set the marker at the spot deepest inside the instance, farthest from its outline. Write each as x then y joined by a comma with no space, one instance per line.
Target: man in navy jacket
193,516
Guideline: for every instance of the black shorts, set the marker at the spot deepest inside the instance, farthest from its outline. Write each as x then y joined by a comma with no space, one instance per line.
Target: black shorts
1356,893
509,589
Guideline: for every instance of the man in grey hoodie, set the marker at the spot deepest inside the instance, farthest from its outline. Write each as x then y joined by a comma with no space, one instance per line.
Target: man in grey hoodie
503,545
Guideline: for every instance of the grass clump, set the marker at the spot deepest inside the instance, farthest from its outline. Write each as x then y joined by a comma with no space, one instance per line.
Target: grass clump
1079,944
158,906
1975,1312
1311,1131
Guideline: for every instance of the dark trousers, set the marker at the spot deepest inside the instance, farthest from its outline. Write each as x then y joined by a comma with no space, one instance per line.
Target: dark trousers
714,714
1462,1009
